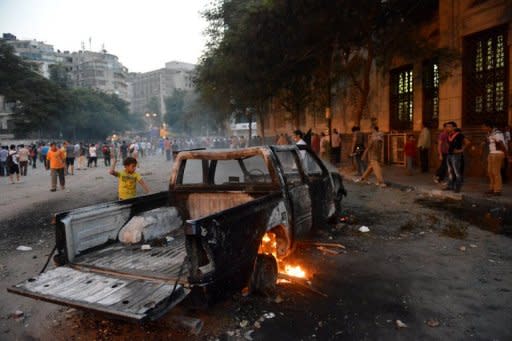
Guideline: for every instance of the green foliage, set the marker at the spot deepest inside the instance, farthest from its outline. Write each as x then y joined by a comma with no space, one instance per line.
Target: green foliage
303,51
49,108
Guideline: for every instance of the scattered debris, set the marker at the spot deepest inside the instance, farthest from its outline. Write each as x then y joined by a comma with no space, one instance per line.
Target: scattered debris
24,248
327,250
492,261
244,323
247,334
473,245
278,299
314,243
462,248
269,316
364,229
145,247
18,315
433,323
400,324
284,278
257,324
192,324
169,239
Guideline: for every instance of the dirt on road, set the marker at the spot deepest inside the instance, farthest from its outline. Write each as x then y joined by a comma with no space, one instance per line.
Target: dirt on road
440,276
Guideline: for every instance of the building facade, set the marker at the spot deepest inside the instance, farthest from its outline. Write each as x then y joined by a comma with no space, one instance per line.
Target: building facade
37,52
159,84
474,87
100,70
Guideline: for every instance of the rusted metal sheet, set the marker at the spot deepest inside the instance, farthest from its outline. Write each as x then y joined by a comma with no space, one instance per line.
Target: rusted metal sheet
128,298
203,204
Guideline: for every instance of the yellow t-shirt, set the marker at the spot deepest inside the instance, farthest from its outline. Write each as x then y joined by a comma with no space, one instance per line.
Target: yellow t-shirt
127,188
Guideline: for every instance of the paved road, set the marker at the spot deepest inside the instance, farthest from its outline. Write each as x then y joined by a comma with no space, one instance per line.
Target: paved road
443,276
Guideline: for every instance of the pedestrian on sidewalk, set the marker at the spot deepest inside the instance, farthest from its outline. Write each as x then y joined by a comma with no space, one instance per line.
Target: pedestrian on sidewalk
105,150
442,153
325,147
57,162
93,156
70,158
410,154
424,142
44,152
374,154
13,164
128,179
4,153
23,155
457,143
336,147
357,150
497,151
33,155
167,147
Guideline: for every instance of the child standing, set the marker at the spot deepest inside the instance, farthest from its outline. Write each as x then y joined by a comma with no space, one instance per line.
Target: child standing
410,153
128,179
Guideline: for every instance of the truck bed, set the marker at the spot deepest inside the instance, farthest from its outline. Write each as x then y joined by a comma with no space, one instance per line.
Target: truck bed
162,262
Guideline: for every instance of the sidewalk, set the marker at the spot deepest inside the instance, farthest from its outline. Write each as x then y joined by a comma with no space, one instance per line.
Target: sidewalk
472,190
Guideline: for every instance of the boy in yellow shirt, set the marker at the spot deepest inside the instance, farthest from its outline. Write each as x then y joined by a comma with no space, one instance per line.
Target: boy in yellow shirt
128,179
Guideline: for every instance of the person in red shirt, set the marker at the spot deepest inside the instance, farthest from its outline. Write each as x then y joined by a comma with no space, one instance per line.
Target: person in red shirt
57,160
410,153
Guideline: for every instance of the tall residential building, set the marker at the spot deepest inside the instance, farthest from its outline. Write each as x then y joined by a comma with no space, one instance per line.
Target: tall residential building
159,84
100,70
43,55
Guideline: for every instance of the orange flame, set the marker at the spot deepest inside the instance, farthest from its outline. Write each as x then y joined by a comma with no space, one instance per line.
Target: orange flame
294,271
269,246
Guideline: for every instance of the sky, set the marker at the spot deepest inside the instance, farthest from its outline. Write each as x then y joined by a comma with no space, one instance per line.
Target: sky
143,34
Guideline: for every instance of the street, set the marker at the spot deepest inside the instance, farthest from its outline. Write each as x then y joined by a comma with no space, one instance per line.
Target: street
419,273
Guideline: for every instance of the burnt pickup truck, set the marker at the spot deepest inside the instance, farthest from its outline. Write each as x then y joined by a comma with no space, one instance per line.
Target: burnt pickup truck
227,201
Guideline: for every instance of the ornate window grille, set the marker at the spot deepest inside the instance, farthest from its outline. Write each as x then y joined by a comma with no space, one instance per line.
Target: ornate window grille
485,74
401,98
431,92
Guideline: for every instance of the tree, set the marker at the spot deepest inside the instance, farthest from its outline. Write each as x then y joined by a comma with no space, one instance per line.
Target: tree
303,50
50,108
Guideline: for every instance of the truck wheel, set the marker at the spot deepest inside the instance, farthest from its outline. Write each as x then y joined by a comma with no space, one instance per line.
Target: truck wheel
264,276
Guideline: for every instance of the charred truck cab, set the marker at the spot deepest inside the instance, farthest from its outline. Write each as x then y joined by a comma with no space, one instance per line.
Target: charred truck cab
227,200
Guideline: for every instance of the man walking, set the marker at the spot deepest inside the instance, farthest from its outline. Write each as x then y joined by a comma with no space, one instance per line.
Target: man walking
497,151
336,147
374,153
70,158
57,161
457,142
23,155
4,153
424,147
442,152
167,147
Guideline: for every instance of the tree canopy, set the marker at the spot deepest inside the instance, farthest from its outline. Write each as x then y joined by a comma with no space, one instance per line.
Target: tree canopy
50,109
303,51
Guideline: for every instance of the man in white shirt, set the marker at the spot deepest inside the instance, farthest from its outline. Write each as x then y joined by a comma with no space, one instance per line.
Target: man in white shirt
497,150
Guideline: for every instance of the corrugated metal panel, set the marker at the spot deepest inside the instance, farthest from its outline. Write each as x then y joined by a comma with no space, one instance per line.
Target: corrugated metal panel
130,298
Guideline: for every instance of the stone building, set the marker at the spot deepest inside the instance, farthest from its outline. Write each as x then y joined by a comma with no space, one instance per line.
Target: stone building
477,85
100,70
159,84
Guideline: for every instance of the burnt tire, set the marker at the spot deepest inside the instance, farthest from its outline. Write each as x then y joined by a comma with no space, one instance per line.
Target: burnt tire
264,276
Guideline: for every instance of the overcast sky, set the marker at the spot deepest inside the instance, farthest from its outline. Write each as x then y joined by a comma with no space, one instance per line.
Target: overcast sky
143,34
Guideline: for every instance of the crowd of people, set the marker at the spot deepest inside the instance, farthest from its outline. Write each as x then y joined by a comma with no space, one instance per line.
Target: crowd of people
366,154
